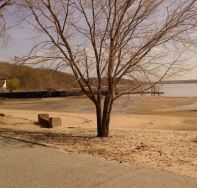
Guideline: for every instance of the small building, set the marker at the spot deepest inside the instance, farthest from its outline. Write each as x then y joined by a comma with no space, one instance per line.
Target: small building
3,85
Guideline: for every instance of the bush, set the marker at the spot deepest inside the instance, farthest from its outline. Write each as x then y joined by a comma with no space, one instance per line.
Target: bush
13,84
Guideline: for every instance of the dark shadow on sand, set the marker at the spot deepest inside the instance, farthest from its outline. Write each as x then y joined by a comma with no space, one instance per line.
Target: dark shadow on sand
45,137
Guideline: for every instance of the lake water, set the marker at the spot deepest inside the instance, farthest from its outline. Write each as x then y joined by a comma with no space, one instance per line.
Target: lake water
179,90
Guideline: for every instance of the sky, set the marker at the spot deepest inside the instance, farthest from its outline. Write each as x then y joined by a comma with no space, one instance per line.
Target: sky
20,42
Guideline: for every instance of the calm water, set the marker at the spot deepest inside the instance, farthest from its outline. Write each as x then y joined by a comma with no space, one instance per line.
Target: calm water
179,90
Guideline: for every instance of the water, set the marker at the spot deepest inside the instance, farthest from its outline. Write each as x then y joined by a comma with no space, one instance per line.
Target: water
179,90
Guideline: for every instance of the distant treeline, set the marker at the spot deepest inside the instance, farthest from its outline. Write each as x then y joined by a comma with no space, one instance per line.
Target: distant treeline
25,78
20,77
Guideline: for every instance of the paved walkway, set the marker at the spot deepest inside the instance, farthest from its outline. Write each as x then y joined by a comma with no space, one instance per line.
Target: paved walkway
24,165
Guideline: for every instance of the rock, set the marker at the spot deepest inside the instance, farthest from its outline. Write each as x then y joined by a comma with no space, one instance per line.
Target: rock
2,115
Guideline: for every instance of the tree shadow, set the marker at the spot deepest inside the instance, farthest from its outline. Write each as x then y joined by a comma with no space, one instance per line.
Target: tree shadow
46,137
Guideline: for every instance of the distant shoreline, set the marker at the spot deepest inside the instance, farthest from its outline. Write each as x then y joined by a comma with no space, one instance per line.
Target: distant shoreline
178,82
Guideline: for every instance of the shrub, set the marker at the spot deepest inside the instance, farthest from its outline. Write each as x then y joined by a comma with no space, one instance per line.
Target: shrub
13,84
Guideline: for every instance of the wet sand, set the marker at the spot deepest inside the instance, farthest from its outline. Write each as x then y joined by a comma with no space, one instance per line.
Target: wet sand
125,105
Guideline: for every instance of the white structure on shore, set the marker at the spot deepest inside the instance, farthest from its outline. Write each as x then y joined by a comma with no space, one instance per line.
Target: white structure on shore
3,85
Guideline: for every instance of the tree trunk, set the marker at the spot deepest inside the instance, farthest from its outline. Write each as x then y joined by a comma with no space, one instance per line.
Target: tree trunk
103,118
99,120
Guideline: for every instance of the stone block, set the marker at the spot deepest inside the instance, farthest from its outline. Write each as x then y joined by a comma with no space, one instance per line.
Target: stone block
55,122
43,120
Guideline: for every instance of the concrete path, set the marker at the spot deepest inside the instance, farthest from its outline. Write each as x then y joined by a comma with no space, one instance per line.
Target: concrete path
24,165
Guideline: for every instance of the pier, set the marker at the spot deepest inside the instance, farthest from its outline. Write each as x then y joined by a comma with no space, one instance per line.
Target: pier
41,94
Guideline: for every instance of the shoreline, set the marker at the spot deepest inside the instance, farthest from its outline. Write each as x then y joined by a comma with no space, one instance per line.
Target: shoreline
124,106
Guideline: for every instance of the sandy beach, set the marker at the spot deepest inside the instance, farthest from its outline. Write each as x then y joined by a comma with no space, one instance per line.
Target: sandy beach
155,132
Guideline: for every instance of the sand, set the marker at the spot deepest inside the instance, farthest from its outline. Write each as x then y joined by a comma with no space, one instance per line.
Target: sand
162,139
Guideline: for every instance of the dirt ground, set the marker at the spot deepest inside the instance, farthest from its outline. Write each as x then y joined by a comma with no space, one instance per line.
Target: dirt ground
155,133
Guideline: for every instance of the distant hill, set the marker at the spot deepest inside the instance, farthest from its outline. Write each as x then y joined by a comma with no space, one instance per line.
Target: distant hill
42,79
36,78
179,82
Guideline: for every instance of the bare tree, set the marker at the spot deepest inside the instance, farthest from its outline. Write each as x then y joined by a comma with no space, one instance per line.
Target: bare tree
109,40
3,5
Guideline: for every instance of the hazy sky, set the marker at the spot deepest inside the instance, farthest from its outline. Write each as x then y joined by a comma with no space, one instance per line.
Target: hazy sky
20,43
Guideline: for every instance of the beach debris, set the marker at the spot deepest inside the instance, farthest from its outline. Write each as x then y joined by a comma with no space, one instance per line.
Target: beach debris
144,147
141,146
